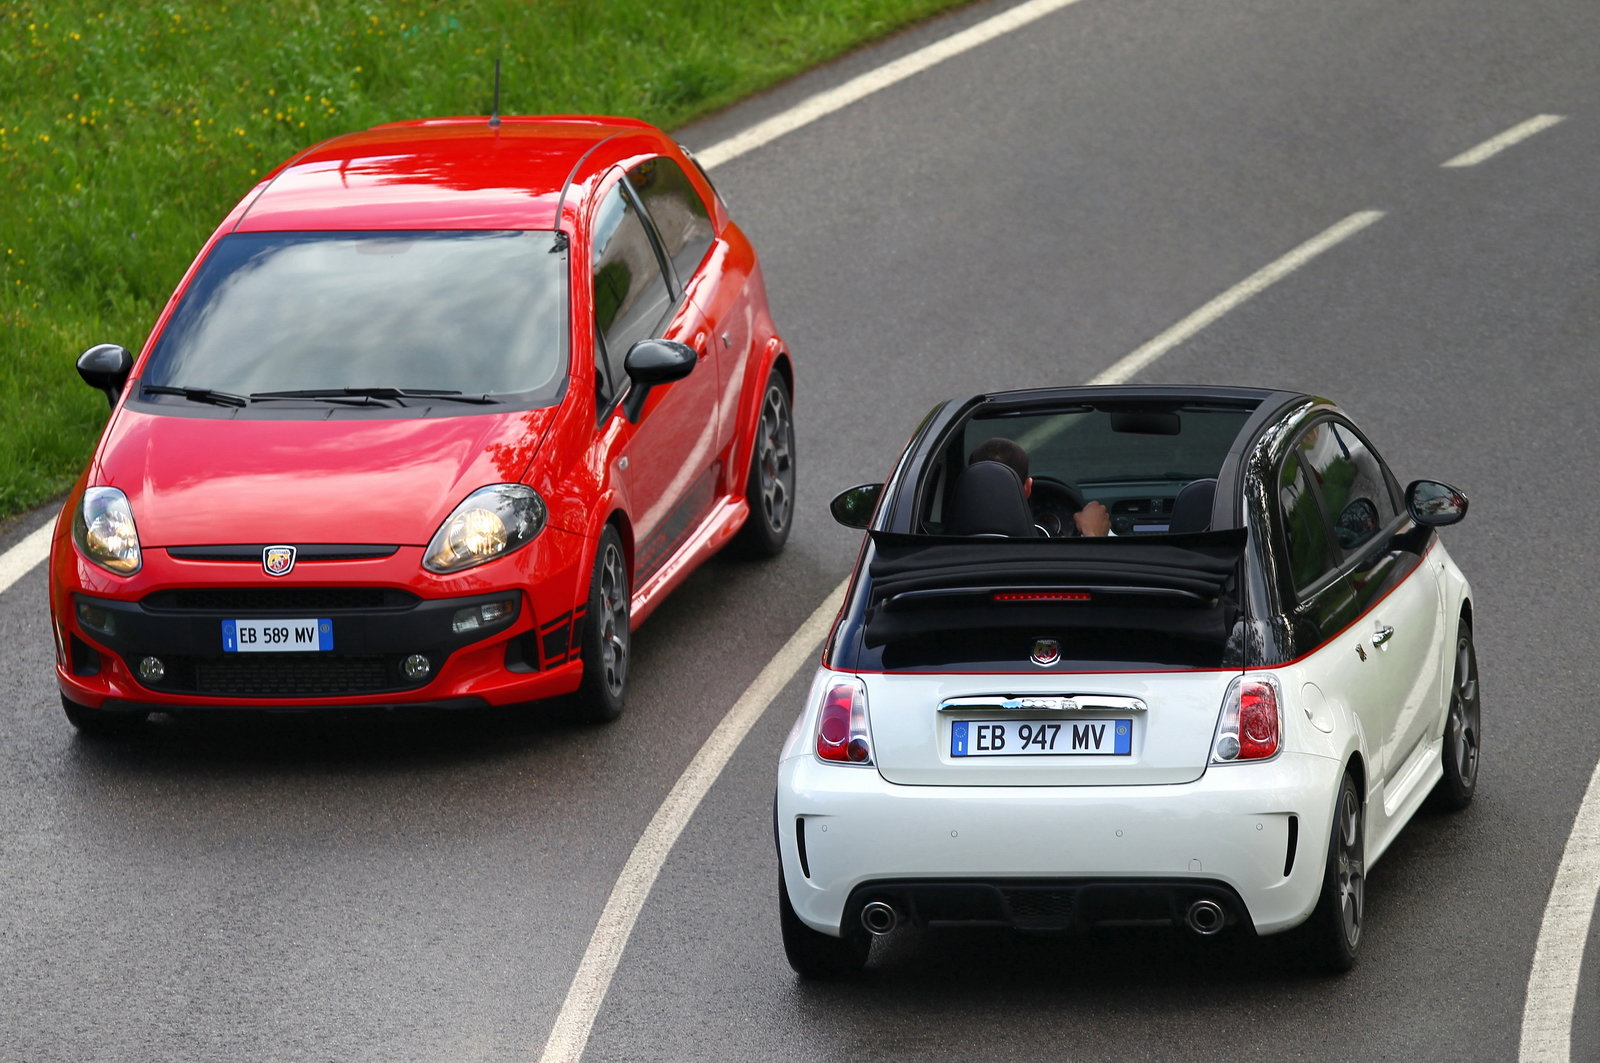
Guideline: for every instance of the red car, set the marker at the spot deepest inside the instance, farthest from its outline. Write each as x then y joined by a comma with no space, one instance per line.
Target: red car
439,414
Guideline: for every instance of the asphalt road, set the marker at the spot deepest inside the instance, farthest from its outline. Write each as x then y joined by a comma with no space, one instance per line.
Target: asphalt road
286,888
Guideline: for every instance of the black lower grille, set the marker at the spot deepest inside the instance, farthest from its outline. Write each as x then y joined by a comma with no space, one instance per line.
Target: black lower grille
284,675
1040,909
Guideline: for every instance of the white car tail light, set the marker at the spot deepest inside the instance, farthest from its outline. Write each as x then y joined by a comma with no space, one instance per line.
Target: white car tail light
842,724
1251,724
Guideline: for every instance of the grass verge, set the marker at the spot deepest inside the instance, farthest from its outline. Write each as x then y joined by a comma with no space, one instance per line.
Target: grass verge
128,129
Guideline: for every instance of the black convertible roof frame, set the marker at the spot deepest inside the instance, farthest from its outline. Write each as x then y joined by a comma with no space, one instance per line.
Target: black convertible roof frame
901,503
907,610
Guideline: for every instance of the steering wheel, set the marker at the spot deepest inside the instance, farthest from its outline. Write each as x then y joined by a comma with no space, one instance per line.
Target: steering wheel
1053,503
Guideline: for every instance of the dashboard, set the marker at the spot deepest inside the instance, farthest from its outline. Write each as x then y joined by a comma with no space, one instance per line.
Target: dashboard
1136,507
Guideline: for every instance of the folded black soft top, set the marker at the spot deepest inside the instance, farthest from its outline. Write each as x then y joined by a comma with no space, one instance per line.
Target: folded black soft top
1179,584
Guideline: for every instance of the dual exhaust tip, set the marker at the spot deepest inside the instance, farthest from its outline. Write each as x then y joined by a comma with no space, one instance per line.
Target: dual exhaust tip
879,917
1204,916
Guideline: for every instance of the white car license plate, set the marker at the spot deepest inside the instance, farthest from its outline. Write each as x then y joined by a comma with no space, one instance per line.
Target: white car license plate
1041,738
277,636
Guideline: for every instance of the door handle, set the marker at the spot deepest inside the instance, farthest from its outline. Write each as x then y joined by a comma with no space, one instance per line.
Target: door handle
1382,635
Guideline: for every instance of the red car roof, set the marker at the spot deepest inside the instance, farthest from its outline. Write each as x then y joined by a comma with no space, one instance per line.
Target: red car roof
442,173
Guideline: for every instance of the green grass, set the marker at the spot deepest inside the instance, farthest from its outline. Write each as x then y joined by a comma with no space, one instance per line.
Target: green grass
128,128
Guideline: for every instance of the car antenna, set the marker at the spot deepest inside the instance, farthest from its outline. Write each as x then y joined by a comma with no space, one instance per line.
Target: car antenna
494,111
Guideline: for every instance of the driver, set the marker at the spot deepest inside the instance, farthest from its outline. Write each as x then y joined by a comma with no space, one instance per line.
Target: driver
1092,519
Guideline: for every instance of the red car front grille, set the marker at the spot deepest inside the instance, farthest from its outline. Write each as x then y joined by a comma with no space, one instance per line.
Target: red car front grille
246,601
285,675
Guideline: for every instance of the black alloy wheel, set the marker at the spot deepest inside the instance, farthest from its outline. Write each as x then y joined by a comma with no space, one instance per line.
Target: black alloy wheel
813,954
1332,935
1461,734
770,488
605,646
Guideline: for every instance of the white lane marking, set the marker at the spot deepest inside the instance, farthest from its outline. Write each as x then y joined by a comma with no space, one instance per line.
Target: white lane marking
21,558
1548,1009
825,103
1257,282
570,1034
1495,145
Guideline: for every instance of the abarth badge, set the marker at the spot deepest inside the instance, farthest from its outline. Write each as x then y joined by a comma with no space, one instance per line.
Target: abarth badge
1045,652
1361,652
278,560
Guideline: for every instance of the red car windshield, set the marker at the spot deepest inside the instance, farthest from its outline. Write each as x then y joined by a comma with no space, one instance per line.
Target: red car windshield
480,313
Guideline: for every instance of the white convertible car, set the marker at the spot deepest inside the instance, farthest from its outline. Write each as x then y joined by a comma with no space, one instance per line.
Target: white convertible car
1214,708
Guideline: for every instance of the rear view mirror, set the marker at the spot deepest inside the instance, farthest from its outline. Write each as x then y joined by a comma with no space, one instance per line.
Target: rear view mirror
105,367
1147,423
854,508
1435,504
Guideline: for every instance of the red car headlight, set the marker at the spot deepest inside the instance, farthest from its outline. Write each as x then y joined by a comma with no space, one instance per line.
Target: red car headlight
103,528
493,520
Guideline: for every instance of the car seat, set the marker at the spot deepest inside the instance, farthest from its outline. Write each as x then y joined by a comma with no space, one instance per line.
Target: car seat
986,499
1191,510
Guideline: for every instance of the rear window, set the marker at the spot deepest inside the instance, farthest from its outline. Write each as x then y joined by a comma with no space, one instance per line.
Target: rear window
479,312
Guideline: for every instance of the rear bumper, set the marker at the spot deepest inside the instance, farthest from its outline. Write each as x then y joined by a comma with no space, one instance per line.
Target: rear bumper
1256,833
1046,904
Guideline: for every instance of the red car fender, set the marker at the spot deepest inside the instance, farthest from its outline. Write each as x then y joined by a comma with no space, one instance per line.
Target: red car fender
773,355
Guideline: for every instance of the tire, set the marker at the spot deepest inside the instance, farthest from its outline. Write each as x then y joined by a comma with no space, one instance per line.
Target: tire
101,723
606,642
1461,730
813,954
1331,937
769,489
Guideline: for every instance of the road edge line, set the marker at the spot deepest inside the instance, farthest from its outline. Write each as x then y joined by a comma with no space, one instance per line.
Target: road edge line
569,1035
25,555
1552,993
837,98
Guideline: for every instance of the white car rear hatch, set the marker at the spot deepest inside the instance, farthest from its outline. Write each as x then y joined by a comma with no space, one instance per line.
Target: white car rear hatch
1045,730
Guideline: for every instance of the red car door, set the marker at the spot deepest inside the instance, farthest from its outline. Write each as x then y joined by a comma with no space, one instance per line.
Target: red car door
666,459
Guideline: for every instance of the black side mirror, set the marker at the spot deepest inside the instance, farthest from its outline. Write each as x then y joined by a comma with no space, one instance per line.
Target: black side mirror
651,363
105,367
854,508
1435,504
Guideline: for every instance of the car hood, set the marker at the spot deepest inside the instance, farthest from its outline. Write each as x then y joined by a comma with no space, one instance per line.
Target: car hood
200,480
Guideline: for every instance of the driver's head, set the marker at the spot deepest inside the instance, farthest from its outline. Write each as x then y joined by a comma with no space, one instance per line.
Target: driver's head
1007,452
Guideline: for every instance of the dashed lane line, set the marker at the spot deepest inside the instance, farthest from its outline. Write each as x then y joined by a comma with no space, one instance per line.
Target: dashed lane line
1495,145
1252,285
1259,281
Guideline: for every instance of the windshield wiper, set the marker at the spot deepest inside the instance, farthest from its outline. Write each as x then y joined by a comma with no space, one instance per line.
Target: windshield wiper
211,395
398,395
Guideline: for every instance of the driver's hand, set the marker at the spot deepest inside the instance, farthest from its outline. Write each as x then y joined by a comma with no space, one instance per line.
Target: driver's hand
1092,519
